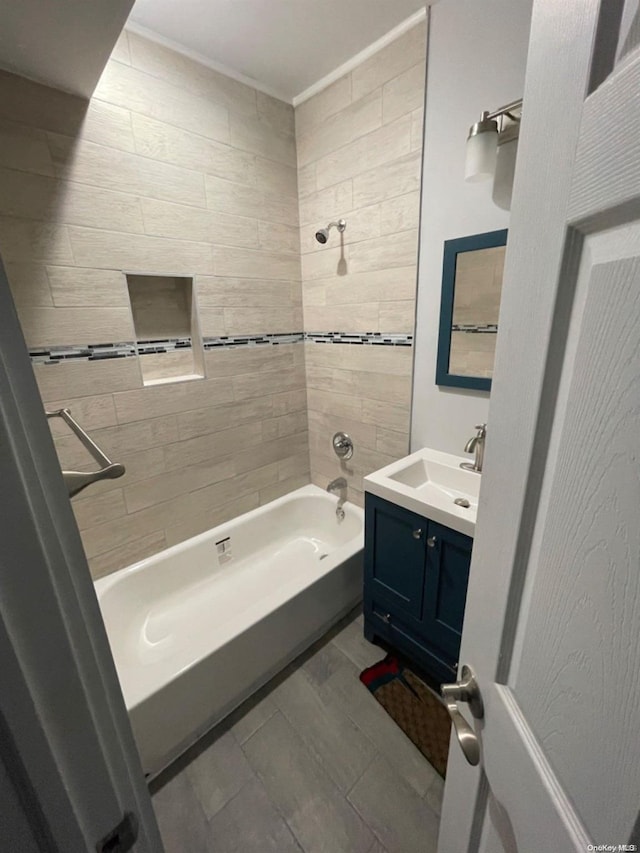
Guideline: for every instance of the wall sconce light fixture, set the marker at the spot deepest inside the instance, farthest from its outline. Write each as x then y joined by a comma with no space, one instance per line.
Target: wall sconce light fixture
492,146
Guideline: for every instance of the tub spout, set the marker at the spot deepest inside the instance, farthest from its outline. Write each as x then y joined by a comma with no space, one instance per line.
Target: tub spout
339,485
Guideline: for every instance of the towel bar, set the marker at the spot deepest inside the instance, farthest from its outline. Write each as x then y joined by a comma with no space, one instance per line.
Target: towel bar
76,481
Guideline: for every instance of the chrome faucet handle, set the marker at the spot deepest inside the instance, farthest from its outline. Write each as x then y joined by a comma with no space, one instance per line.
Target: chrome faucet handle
482,429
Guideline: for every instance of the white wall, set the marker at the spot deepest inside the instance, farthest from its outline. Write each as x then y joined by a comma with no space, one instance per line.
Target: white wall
476,61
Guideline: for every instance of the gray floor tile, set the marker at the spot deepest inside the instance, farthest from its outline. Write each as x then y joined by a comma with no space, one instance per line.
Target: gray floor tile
250,823
182,822
346,691
218,773
352,643
433,797
401,819
336,743
325,662
376,847
319,816
249,723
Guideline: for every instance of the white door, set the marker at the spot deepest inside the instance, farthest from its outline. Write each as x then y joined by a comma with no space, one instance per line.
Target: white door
69,770
552,627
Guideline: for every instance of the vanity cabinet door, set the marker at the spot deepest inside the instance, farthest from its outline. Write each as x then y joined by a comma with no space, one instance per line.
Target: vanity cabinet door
395,556
445,590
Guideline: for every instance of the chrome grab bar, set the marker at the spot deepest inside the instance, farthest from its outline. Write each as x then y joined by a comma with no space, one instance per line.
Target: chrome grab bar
76,481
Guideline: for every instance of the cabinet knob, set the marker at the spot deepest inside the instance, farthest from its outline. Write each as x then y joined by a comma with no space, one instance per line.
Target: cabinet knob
417,534
431,541
386,617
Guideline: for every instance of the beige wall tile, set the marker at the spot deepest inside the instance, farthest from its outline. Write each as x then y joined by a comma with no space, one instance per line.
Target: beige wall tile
24,148
390,416
342,318
278,238
164,219
329,101
161,141
178,365
278,114
141,465
294,466
256,385
170,399
167,486
91,413
98,166
367,152
395,250
85,379
218,291
138,253
212,322
120,52
246,263
334,403
216,418
269,321
352,122
362,224
380,285
270,452
290,401
276,178
333,262
307,179
230,198
391,442
257,135
28,282
326,205
212,446
106,124
392,179
405,93
284,425
277,490
325,424
397,317
400,214
396,361
391,61
27,240
99,508
35,105
128,554
202,521
166,64
87,287
49,326
134,90
417,129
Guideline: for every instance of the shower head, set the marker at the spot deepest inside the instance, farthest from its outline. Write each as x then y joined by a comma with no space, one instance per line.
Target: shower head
323,234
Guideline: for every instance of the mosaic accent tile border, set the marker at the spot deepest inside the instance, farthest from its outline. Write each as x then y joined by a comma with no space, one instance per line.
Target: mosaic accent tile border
489,329
88,352
210,343
98,352
361,338
163,345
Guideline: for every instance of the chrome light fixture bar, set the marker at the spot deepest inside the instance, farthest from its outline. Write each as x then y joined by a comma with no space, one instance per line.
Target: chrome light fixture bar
485,136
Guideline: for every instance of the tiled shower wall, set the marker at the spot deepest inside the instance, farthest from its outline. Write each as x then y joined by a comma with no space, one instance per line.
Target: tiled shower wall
175,169
359,146
172,169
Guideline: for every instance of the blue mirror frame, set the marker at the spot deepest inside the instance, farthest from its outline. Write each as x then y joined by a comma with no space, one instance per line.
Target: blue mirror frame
452,248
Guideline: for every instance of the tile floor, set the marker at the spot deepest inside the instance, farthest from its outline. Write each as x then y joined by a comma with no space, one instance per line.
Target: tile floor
311,763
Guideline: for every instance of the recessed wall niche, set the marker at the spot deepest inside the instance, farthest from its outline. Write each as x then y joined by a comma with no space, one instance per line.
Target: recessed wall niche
166,325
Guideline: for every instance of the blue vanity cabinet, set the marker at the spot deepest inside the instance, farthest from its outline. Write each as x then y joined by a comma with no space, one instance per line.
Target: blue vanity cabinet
415,588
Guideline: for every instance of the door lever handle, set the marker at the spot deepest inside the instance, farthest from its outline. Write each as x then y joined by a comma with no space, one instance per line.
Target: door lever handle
465,690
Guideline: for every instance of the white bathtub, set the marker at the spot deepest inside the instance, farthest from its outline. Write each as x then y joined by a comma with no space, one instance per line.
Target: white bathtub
196,629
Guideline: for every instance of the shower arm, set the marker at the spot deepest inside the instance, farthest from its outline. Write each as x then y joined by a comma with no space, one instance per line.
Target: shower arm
76,481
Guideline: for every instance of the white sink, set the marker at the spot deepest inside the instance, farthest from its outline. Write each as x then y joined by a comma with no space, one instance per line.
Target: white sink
429,482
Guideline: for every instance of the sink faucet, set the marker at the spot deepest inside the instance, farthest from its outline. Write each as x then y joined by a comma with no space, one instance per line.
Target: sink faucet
476,444
339,485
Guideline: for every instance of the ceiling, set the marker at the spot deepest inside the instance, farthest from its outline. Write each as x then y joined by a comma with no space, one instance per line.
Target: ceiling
63,44
285,46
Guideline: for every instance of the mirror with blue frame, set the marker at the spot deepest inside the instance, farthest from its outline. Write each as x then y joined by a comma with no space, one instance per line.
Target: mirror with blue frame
472,272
